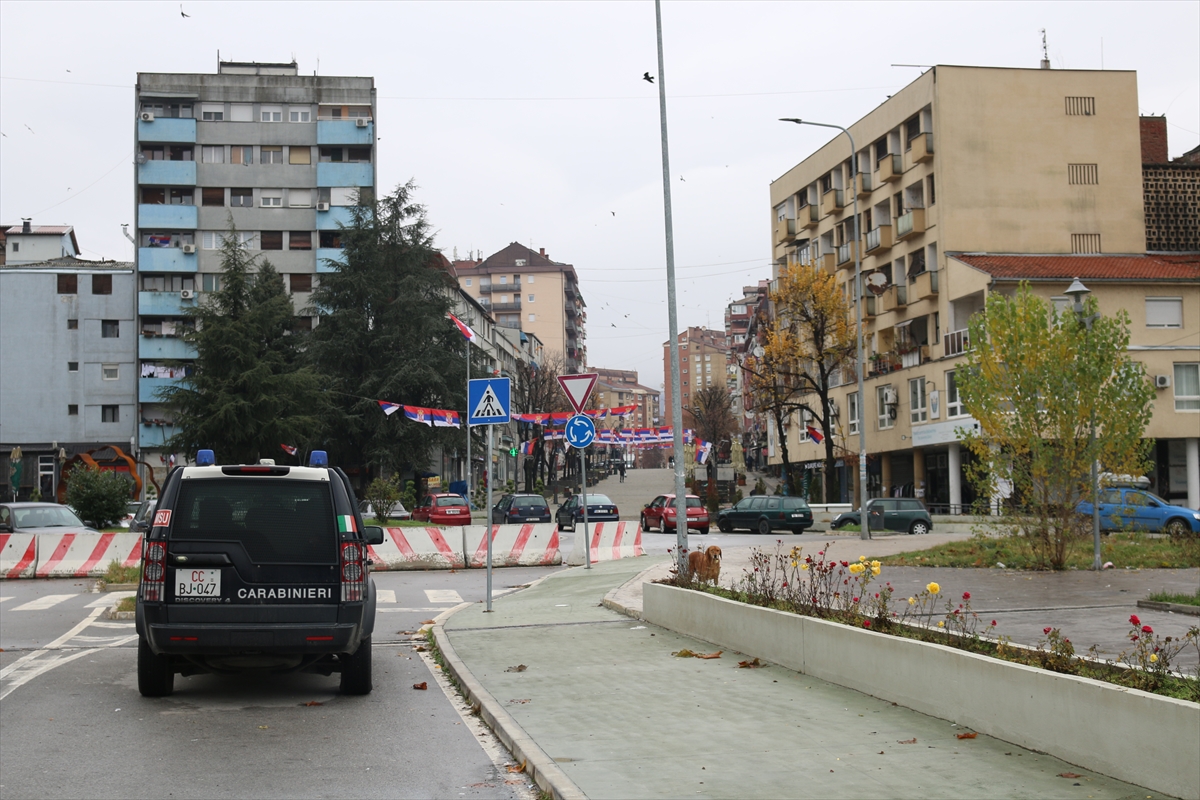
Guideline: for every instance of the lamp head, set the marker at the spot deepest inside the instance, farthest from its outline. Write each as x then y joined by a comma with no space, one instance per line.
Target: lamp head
1077,291
791,119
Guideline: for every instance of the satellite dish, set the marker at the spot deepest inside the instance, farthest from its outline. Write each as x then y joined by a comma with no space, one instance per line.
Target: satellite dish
877,283
141,159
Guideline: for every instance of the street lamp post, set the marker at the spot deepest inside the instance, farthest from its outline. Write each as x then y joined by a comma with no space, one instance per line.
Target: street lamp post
1077,292
858,292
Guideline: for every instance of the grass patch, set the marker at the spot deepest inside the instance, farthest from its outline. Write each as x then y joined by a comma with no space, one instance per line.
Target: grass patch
118,574
848,529
1016,552
127,604
1178,599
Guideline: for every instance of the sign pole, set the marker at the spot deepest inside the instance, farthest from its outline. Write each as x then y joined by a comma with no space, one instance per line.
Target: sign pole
487,531
467,418
587,539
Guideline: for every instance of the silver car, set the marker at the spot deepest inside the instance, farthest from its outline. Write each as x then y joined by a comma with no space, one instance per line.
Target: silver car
40,518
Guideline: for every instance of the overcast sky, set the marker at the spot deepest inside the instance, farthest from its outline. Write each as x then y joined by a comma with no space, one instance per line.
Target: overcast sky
530,122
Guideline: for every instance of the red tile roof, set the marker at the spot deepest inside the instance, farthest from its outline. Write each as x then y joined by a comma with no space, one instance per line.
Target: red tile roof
1094,267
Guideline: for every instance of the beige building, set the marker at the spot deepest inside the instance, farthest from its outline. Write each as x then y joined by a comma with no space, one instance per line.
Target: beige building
703,362
619,387
527,291
963,164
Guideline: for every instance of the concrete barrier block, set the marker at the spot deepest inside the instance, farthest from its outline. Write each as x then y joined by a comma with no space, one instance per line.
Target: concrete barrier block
529,545
18,555
85,555
417,548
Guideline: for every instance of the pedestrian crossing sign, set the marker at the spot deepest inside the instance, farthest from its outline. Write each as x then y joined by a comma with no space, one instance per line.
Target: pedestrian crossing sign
489,401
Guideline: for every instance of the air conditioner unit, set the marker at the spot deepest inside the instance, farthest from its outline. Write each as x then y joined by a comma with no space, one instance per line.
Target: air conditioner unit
189,249
889,397
187,294
360,122
147,116
322,206
1162,381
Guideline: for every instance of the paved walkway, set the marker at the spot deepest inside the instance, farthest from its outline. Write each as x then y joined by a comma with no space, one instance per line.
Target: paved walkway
610,712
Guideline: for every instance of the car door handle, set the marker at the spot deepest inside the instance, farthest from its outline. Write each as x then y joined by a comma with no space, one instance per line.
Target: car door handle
202,559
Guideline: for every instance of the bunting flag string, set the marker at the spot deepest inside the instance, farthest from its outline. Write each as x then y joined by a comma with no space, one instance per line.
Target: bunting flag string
433,417
561,417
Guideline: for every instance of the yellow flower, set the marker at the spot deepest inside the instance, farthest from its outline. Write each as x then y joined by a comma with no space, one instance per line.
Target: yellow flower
912,601
856,568
1153,657
862,558
875,570
793,563
874,565
804,566
941,624
933,588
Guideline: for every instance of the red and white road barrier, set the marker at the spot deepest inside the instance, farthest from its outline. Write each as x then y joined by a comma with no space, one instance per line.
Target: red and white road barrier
417,548
529,545
610,541
18,555
84,555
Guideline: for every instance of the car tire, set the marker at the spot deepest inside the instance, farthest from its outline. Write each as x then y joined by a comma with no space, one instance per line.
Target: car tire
704,531
156,678
356,670
918,527
1176,527
764,527
724,527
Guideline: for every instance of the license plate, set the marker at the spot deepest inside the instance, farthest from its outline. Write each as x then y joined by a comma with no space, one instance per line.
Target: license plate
452,511
197,583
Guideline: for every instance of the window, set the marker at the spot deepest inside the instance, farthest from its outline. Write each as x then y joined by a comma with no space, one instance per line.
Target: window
359,111
529,279
1187,387
932,190
916,400
467,282
110,329
241,112
271,240
68,284
110,372
1164,312
1085,243
72,366
212,197
169,110
270,114
167,283
300,281
72,324
299,155
343,196
912,129
270,198
302,323
212,112
299,114
72,410
532,317
1081,106
102,284
531,298
331,239
332,154
210,240
885,397
241,198
300,198
954,406
154,196
110,413
210,282
300,240
270,154
213,155
242,154
852,407
503,279
1083,174
358,155
182,197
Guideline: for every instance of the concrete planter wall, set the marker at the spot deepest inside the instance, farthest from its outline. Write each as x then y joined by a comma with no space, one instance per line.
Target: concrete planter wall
1127,734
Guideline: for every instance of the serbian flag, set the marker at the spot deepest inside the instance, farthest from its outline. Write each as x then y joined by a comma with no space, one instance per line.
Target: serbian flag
527,448
463,328
814,434
445,419
388,408
702,450
418,414
287,448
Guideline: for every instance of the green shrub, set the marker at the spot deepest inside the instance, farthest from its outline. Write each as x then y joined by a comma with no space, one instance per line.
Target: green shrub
409,496
98,496
382,495
736,497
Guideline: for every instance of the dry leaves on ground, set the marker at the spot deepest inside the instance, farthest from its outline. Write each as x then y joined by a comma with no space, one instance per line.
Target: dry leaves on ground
965,735
520,702
685,653
423,685
420,648
753,663
517,767
1069,775
517,668
428,622
313,703
907,741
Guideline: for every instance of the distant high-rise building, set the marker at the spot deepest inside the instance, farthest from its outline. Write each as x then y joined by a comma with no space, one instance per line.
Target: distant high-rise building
703,362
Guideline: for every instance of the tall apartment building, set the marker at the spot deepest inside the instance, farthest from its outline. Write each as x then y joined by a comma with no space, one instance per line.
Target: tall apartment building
703,362
619,387
528,291
741,319
279,154
970,180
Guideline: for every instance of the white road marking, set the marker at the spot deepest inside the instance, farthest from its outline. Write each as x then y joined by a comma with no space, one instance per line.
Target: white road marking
44,602
104,641
385,595
418,610
31,665
443,596
6,598
20,662
45,665
113,624
110,599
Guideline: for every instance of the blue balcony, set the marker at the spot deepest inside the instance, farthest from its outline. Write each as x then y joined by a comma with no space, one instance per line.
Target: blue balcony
344,131
153,436
164,347
166,259
148,388
169,217
331,253
329,220
163,304
164,129
330,174
167,173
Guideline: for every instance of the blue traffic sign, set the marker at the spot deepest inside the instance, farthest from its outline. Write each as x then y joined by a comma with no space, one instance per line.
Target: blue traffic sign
581,431
489,401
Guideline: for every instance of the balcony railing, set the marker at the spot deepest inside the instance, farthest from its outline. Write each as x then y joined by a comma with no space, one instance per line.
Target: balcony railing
891,167
879,239
831,201
485,288
910,224
863,184
957,342
845,253
810,216
922,148
785,229
506,306
924,285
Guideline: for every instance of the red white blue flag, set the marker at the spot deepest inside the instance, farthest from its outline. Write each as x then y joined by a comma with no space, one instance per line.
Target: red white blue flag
388,408
287,448
463,328
815,434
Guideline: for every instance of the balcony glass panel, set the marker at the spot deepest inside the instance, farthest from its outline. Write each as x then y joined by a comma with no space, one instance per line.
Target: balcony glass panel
164,347
163,304
166,259
343,131
165,129
167,173
153,436
148,388
163,216
331,174
326,254
330,220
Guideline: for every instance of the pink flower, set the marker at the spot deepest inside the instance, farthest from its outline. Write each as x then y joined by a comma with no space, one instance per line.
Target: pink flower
966,595
845,563
877,595
866,623
1045,630
1147,629
993,623
785,584
856,599
820,552
1134,621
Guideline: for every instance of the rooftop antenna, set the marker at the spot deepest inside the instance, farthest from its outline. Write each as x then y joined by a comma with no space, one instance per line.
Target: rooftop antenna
1045,51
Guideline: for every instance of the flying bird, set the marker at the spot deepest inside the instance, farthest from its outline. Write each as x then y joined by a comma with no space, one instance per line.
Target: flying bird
31,130
613,324
613,213
683,179
647,77
181,11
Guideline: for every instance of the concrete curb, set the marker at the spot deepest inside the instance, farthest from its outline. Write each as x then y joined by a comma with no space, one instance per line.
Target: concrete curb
539,766
611,602
1174,608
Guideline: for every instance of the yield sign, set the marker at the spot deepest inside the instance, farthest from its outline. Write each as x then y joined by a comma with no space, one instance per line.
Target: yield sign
578,388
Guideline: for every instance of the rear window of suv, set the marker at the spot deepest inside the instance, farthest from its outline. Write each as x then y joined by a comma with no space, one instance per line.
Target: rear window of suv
277,521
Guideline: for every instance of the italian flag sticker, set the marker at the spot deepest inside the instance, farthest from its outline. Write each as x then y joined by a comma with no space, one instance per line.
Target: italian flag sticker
345,524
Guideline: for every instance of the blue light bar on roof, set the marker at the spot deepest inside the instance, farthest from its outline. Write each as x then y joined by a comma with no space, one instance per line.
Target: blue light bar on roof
205,458
318,458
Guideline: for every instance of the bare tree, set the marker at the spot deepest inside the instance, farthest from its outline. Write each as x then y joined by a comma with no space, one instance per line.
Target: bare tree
536,391
710,415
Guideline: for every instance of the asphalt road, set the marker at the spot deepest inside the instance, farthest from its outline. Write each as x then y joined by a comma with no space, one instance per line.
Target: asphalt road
75,726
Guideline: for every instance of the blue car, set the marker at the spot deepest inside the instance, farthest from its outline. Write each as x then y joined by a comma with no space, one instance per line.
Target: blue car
1137,509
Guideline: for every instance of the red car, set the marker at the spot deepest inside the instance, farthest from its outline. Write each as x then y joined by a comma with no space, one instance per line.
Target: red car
443,509
660,513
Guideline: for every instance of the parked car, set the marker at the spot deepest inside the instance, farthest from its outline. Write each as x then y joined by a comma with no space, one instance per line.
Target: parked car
142,517
397,511
1136,509
599,509
906,514
443,509
40,518
764,514
514,508
661,512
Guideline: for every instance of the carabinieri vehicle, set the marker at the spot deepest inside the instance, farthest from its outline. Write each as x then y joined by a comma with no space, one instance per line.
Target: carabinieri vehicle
256,567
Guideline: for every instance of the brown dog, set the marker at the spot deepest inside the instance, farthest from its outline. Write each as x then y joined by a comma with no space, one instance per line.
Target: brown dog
705,565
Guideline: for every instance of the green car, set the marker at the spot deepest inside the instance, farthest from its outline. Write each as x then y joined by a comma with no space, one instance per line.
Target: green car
764,514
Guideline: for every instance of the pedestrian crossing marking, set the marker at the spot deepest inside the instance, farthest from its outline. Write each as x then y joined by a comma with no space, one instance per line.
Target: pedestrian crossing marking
6,598
488,406
44,602
385,595
443,596
110,599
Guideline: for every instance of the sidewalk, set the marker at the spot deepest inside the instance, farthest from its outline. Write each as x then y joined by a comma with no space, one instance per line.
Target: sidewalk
602,709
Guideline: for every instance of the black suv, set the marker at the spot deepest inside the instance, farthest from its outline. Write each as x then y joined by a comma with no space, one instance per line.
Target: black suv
514,508
256,567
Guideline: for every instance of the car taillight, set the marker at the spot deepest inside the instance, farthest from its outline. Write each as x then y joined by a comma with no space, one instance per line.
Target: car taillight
154,571
353,572
514,512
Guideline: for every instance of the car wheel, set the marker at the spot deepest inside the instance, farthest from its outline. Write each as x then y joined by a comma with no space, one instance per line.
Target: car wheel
645,527
918,527
764,527
704,531
156,678
1177,527
356,670
724,527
